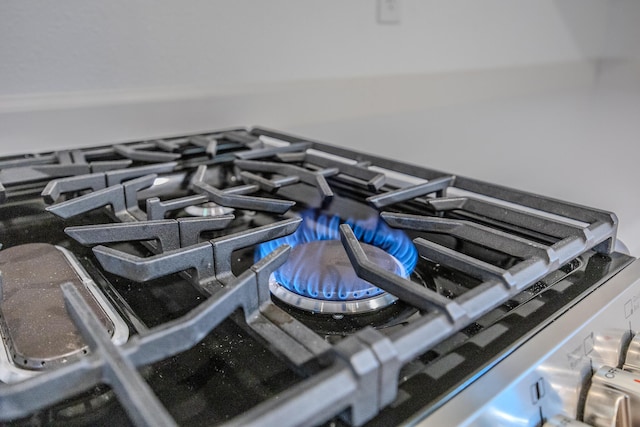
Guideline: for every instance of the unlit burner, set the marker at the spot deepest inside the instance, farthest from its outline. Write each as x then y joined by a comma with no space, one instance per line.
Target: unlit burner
319,277
208,209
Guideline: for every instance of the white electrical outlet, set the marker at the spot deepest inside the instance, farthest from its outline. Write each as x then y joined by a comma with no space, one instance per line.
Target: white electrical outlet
389,12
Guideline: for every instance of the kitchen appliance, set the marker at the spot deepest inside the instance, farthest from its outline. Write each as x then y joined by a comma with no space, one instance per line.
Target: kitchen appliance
251,277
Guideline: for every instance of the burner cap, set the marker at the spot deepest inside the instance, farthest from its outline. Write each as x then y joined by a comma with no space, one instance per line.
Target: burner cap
318,276
208,209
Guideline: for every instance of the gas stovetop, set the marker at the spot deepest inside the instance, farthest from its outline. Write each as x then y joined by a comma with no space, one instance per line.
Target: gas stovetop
251,277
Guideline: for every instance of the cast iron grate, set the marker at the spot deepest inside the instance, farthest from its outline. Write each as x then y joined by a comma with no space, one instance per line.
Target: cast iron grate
358,376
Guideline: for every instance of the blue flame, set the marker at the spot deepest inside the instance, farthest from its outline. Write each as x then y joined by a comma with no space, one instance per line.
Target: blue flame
318,226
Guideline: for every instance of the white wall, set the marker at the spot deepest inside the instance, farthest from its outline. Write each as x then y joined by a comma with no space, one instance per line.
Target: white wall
623,34
620,65
78,45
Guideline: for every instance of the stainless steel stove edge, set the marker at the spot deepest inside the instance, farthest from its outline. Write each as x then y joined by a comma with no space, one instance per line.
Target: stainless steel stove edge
548,374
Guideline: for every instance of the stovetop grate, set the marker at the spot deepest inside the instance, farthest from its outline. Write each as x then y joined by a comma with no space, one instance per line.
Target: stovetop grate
356,377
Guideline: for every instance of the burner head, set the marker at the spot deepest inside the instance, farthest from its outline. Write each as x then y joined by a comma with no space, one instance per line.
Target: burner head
318,275
208,209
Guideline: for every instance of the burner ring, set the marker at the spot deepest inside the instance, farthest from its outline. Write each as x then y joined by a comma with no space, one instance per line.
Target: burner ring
330,306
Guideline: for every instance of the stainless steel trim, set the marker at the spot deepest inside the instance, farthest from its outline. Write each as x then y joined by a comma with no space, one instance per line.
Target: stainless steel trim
559,356
331,307
120,328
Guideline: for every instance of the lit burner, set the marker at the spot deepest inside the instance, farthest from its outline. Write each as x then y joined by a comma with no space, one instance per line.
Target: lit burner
321,269
318,275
